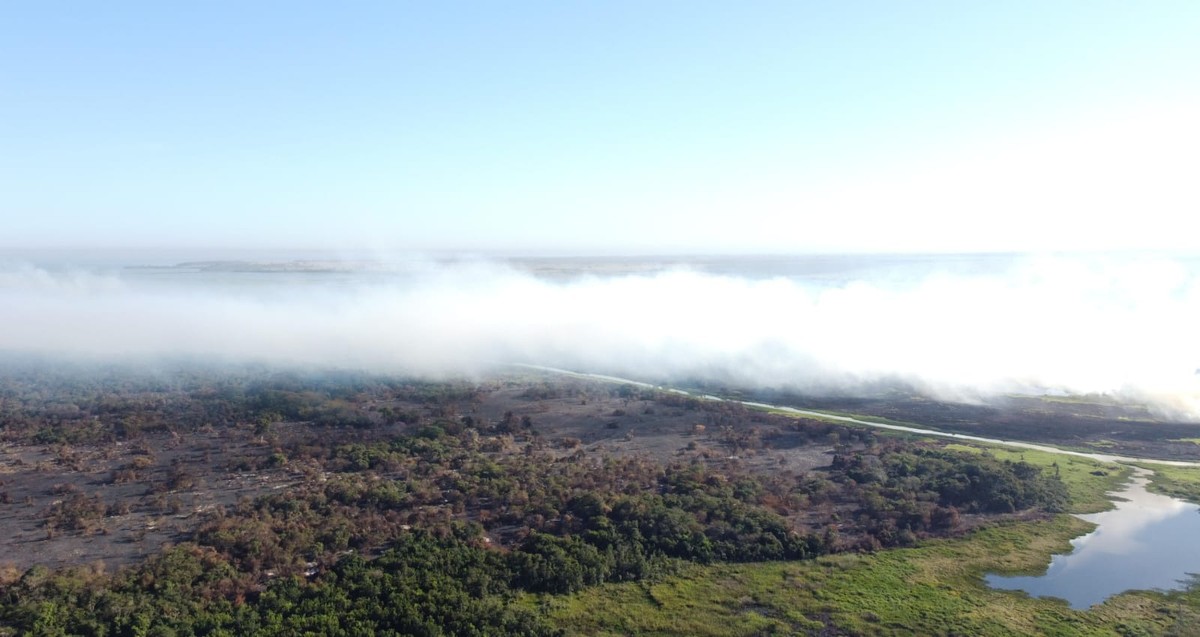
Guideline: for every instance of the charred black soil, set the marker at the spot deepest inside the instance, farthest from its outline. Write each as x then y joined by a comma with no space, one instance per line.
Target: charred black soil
1096,424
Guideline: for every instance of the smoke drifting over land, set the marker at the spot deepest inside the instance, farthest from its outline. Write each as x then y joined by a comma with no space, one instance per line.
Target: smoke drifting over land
1052,324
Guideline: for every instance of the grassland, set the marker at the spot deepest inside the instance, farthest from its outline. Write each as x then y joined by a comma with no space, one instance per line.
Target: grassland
930,590
1178,482
935,588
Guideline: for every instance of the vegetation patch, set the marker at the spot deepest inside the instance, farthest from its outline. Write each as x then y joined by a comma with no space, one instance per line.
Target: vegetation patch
1087,481
934,589
1177,482
356,505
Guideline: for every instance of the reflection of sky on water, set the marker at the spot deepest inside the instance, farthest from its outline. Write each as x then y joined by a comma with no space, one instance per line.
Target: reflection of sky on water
1147,542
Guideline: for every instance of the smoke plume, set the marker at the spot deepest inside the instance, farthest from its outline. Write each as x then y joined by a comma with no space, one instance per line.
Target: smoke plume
1122,326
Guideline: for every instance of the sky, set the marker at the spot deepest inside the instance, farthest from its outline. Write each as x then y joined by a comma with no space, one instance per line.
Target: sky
601,127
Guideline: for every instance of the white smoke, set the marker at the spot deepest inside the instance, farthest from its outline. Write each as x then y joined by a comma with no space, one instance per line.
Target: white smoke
1059,324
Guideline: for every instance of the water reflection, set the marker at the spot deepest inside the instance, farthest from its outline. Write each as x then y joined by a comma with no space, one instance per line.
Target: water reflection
1146,542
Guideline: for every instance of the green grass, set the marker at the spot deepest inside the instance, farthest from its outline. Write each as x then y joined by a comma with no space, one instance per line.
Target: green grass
837,417
1178,482
936,588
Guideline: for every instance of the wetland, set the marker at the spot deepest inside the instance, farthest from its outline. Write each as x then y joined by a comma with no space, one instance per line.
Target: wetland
1146,542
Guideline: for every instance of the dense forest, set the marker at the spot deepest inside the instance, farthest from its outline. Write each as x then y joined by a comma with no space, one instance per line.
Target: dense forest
393,506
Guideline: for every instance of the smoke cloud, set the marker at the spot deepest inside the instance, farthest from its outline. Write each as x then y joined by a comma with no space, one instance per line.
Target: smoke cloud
1054,324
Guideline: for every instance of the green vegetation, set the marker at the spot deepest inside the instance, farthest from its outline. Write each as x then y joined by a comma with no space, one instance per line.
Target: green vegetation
1177,482
466,510
410,511
420,586
1088,481
446,580
934,589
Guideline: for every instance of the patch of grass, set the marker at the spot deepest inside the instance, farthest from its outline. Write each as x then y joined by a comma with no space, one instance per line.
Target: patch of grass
695,602
1075,399
816,415
839,417
934,589
1177,482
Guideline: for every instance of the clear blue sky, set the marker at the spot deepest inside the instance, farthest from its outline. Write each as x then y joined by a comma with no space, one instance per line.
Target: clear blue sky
601,126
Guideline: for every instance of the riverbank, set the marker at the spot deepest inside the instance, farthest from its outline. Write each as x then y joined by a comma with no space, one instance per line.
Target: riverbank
1145,542
937,588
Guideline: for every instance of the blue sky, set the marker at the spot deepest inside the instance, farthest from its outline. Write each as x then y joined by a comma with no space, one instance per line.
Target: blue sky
603,127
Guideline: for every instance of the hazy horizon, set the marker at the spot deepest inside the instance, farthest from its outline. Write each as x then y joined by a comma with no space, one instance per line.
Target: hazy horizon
973,198
956,327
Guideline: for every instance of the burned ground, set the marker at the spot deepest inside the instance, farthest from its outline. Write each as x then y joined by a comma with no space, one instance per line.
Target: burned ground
1096,423
279,487
108,472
